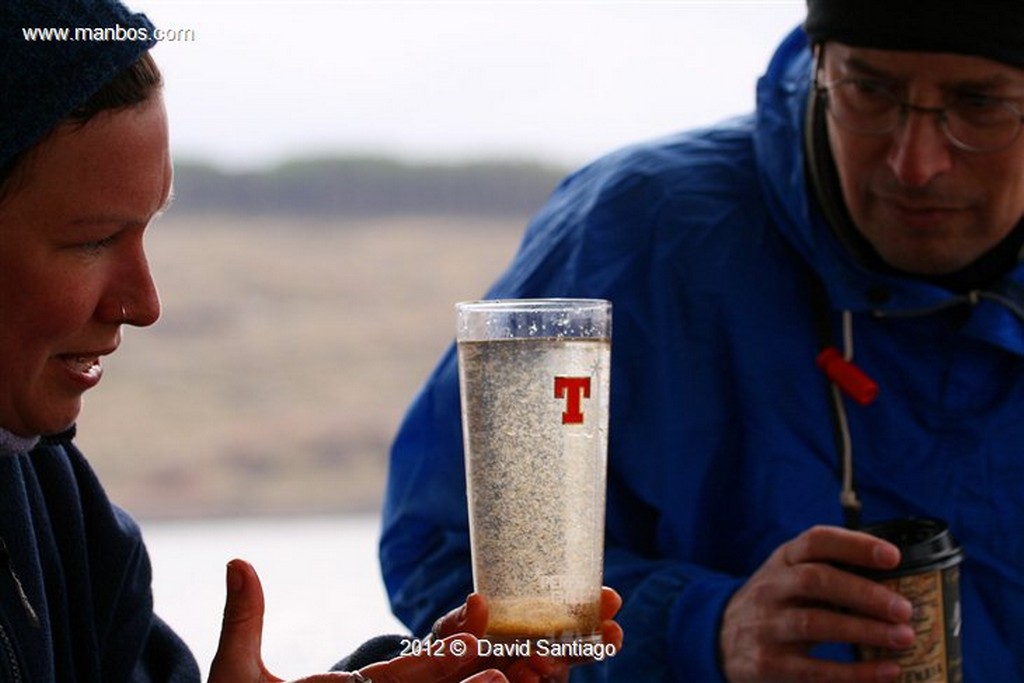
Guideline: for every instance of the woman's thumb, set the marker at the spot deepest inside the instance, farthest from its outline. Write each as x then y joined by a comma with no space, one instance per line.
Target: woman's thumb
239,658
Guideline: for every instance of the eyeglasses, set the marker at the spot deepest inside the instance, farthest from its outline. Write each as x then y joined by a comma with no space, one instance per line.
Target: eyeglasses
972,122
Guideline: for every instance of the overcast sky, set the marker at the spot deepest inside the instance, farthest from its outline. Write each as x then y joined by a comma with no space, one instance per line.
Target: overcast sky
560,81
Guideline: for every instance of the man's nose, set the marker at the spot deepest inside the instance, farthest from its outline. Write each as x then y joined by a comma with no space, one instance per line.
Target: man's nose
920,149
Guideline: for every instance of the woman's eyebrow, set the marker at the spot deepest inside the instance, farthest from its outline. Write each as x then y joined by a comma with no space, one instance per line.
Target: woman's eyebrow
115,218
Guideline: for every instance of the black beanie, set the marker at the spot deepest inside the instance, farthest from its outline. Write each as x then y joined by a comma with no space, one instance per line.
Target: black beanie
993,29
42,81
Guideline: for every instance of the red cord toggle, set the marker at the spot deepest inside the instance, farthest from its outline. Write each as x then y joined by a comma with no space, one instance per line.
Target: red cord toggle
847,376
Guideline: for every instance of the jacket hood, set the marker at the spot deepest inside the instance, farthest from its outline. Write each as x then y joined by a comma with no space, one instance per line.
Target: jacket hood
782,104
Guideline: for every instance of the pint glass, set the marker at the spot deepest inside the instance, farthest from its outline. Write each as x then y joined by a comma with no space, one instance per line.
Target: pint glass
534,377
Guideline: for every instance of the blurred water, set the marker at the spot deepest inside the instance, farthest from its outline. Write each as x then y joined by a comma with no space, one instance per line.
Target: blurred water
320,577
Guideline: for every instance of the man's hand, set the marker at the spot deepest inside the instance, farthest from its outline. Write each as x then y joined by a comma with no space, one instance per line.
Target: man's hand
799,598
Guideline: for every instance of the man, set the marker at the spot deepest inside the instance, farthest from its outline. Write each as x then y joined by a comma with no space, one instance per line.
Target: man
874,199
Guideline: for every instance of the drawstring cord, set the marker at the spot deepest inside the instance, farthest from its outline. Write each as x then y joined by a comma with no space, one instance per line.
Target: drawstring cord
847,495
843,375
844,378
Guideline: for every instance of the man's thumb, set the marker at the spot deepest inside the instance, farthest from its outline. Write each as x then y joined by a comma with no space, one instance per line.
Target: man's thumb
238,655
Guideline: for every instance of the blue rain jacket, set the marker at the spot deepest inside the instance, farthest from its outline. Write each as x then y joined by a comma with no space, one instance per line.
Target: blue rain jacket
721,438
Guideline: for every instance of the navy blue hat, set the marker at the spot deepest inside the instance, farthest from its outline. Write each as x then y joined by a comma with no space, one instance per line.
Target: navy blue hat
994,30
45,75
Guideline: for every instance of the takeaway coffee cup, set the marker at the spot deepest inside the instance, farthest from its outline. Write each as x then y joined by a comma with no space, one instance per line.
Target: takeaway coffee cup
928,576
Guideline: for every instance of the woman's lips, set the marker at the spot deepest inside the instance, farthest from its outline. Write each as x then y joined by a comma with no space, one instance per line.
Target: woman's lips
83,369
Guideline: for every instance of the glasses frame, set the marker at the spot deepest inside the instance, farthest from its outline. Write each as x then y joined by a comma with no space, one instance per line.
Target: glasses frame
824,89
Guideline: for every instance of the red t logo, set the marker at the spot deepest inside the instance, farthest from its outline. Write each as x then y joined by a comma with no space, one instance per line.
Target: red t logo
572,389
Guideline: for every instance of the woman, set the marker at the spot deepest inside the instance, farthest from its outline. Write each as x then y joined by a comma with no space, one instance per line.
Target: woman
84,168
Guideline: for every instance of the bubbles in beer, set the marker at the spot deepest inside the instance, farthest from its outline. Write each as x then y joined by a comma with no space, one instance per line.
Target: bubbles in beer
536,481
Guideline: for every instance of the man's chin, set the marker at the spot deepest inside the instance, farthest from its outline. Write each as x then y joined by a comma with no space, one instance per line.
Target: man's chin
925,260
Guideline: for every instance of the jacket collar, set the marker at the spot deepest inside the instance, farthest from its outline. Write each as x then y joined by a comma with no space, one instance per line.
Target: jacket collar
12,444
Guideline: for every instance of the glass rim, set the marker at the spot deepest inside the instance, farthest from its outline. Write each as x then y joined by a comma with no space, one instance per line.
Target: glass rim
538,304
553,318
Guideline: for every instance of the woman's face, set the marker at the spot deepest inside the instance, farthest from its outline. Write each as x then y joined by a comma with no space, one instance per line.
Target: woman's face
72,264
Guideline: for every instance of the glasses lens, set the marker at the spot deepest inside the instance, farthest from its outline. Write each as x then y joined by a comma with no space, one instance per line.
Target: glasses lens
863,107
982,124
979,124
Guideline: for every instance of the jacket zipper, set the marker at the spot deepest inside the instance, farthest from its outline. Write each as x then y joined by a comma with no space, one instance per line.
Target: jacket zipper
11,658
5,558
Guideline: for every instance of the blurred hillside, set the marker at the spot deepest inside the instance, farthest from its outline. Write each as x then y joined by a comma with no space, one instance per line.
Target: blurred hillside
367,186
295,331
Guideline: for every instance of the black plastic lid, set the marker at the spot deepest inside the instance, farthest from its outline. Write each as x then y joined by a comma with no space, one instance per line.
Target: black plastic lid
925,544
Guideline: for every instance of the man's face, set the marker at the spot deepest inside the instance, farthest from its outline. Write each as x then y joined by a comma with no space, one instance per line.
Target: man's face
71,256
926,206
